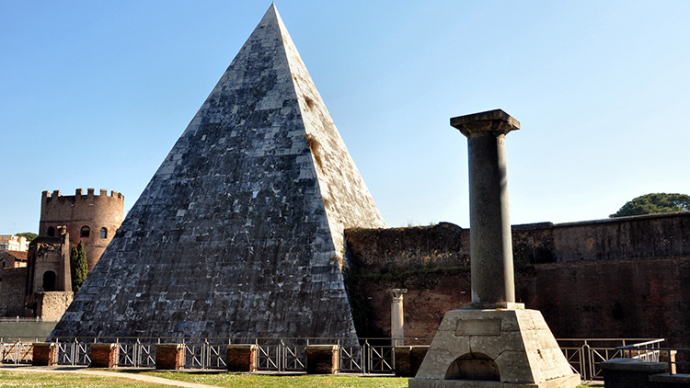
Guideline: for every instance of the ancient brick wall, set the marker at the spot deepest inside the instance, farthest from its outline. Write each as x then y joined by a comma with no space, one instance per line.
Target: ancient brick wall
12,284
611,278
83,210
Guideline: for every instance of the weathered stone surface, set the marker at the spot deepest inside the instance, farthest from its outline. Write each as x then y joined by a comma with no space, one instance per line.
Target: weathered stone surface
240,231
519,343
493,283
51,305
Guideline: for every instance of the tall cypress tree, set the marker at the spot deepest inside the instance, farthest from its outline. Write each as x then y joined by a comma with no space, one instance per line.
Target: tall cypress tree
79,266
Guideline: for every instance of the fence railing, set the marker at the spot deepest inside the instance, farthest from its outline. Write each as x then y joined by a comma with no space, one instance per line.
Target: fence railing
586,355
22,319
356,355
651,351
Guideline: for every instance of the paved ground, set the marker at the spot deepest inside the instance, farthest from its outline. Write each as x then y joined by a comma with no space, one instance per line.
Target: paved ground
100,372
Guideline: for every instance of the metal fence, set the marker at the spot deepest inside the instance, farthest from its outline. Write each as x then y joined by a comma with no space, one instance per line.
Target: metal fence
586,355
16,352
356,355
651,351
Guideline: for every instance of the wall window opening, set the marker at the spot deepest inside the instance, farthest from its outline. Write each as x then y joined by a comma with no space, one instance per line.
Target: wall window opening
49,281
104,233
85,231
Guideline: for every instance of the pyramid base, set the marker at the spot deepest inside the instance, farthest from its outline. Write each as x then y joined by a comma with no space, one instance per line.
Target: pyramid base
492,349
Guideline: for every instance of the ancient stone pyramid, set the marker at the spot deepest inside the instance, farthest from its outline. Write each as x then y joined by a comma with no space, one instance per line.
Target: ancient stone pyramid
240,231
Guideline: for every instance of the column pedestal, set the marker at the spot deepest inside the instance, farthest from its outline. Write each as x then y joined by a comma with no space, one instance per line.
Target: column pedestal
494,349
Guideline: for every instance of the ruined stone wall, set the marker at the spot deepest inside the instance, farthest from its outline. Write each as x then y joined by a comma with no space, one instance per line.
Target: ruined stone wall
83,210
51,305
432,263
610,278
12,283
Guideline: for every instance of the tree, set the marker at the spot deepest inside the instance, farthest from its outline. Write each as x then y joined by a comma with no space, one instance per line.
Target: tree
28,235
79,266
654,204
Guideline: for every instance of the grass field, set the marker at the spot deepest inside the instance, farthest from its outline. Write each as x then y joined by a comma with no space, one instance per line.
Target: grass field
67,380
38,379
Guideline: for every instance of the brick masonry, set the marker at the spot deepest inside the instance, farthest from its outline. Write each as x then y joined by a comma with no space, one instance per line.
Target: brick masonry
44,354
408,359
170,356
613,278
91,210
323,359
12,285
242,358
240,231
104,355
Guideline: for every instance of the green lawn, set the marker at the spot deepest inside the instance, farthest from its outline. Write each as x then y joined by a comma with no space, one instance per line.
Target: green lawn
301,381
67,380
235,380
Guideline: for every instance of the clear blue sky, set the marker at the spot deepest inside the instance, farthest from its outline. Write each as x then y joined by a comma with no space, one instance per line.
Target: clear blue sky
95,93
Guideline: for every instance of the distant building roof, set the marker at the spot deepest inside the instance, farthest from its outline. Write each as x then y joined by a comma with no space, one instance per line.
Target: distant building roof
18,255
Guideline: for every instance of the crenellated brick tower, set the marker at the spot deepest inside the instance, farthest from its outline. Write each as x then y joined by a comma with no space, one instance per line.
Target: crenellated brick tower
89,218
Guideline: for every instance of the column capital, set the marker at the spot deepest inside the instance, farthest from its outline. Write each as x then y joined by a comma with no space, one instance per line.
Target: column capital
494,121
397,292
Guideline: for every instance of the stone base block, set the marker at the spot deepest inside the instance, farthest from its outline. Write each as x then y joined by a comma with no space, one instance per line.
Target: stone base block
104,355
323,359
242,358
666,380
494,348
630,373
408,359
45,354
563,382
170,356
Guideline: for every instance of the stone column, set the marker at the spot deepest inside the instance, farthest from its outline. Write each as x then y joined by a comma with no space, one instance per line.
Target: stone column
491,249
397,319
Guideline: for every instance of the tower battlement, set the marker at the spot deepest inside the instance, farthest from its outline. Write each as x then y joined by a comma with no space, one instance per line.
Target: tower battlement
89,217
80,193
